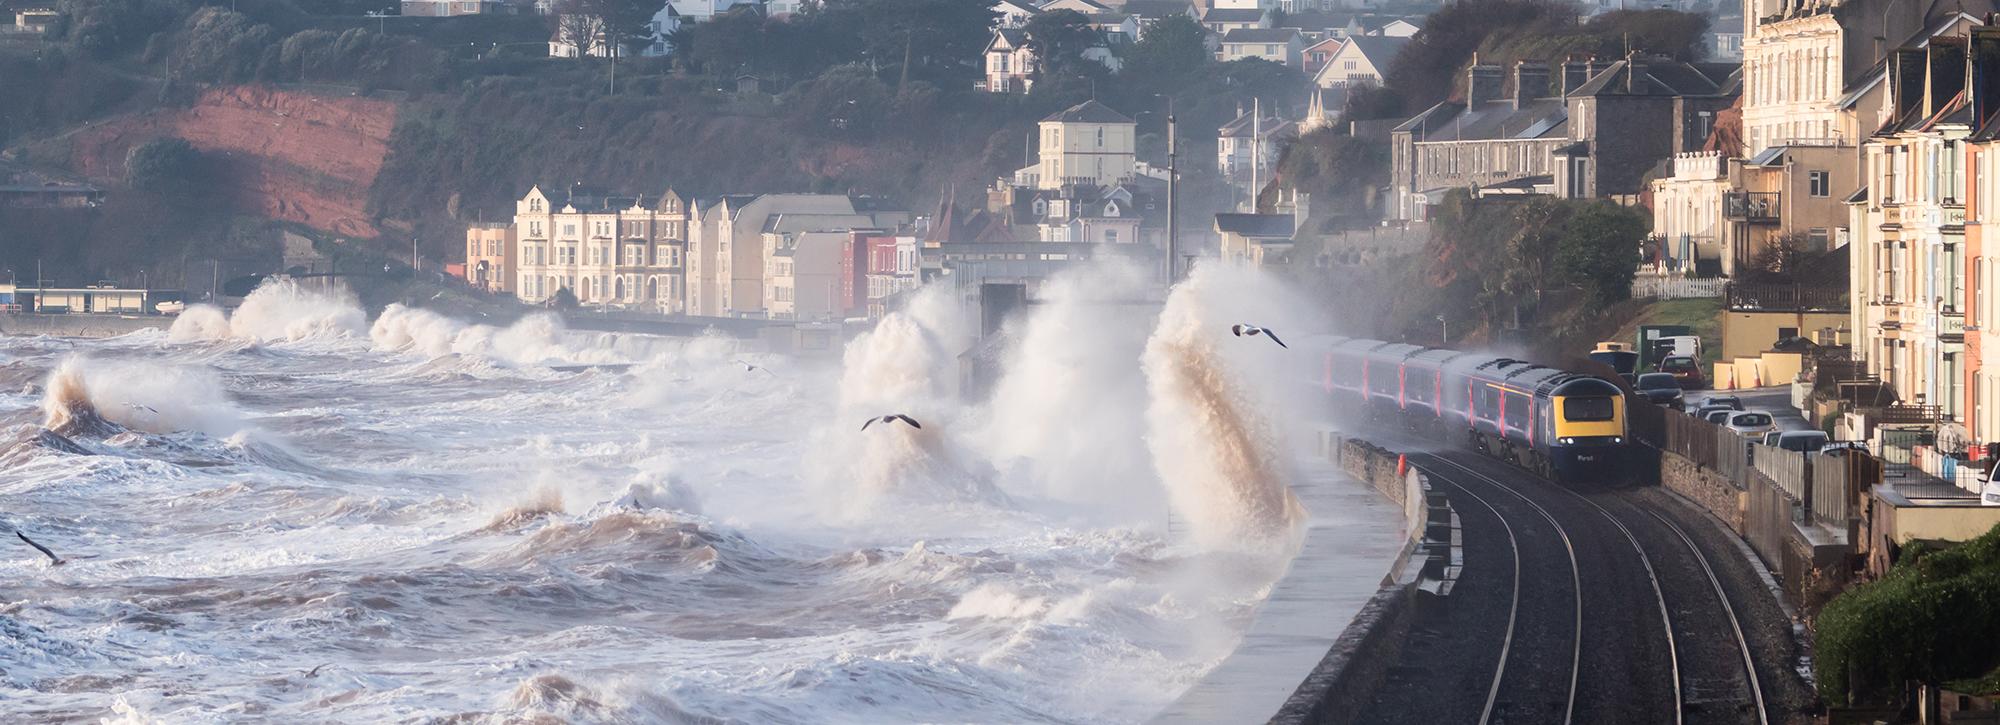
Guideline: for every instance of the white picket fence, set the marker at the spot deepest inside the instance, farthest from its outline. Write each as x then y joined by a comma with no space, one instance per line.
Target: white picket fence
1676,288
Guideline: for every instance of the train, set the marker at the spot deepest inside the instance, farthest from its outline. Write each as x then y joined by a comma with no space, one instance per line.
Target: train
1565,426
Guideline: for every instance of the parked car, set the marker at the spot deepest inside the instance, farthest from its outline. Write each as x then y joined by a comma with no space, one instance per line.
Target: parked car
1771,437
1729,401
1718,416
1838,448
1751,424
1990,494
1802,440
1661,389
1685,370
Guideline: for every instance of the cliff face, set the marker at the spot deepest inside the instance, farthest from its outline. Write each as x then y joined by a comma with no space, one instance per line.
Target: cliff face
285,155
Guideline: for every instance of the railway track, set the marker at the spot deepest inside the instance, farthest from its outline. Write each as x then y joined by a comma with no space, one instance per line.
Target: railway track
1596,609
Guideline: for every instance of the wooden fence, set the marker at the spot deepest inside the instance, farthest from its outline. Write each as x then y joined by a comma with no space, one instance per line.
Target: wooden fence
1839,482
1789,469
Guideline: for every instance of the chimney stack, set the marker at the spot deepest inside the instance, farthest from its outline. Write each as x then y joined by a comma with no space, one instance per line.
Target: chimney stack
1985,88
1574,74
1531,81
1636,81
1947,72
1483,83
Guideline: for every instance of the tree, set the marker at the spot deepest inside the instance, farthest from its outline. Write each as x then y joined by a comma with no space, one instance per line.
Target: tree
1058,40
846,101
625,25
1539,229
583,32
563,299
1427,68
164,165
1598,250
936,41
1782,259
1169,54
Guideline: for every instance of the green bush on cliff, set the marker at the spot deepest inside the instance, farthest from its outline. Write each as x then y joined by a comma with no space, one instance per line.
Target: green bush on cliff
1934,618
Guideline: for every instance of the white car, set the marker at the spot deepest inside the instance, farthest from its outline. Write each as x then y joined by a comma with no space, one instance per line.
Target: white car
1990,495
1751,424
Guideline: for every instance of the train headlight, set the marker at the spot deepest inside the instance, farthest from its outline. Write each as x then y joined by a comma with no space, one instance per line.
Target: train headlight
1566,441
1617,439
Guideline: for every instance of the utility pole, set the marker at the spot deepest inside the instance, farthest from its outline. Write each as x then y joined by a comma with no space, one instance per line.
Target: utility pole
415,262
1173,197
1256,154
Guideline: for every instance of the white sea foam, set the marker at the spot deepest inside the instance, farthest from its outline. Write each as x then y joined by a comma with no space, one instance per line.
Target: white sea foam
686,540
281,308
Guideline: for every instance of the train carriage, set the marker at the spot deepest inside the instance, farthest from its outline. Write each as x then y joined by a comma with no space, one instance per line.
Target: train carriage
1561,425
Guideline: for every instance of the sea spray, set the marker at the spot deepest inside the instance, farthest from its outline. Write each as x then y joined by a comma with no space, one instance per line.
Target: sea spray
198,323
279,309
1215,441
155,397
401,328
1067,418
899,367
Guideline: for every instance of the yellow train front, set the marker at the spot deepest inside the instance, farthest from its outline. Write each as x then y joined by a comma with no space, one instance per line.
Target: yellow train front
1561,425
1588,439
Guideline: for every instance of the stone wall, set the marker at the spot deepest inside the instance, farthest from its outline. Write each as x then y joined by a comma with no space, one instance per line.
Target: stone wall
1706,488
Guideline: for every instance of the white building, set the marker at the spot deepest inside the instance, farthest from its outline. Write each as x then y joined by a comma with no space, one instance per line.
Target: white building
1084,144
607,249
1360,61
577,36
1283,46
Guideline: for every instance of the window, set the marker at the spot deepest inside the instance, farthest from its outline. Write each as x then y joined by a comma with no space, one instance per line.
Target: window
569,230
1348,65
535,229
1787,333
534,205
1821,183
1100,138
1270,49
1110,236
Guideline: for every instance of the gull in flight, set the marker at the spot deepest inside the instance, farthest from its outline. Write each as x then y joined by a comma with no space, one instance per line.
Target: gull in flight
53,559
748,367
887,419
1253,330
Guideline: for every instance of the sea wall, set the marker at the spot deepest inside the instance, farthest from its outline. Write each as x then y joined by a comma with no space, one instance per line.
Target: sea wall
1358,662
81,325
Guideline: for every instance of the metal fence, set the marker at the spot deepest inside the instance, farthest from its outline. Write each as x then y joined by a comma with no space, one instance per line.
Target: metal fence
1676,288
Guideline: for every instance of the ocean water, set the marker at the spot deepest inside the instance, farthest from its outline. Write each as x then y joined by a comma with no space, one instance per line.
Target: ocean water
293,511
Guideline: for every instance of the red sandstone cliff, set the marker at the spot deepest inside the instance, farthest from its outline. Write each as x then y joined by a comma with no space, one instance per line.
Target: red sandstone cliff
286,155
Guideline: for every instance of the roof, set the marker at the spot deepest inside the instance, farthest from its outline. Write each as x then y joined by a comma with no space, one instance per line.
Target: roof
1662,78
1542,118
1256,225
1232,15
1089,111
1315,20
1242,126
1261,35
1014,37
1378,49
1023,5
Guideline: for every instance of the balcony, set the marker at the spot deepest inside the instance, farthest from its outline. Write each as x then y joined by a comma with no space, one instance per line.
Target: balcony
1755,207
1788,298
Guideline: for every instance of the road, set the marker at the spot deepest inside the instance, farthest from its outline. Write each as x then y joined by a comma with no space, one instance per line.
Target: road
1590,605
1775,400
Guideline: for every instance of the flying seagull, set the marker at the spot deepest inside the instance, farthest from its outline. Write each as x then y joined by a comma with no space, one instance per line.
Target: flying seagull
53,559
439,294
1253,330
748,367
887,419
146,408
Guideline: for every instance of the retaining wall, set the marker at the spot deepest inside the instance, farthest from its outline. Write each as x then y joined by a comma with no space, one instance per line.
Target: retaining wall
81,325
1708,489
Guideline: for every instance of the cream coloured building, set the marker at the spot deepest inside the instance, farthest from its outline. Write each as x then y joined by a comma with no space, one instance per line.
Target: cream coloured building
607,249
1907,262
489,255
1085,144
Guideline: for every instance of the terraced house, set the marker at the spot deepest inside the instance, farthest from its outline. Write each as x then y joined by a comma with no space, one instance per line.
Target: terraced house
608,249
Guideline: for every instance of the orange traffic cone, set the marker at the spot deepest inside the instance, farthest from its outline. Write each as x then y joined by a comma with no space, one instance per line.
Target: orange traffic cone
1402,465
